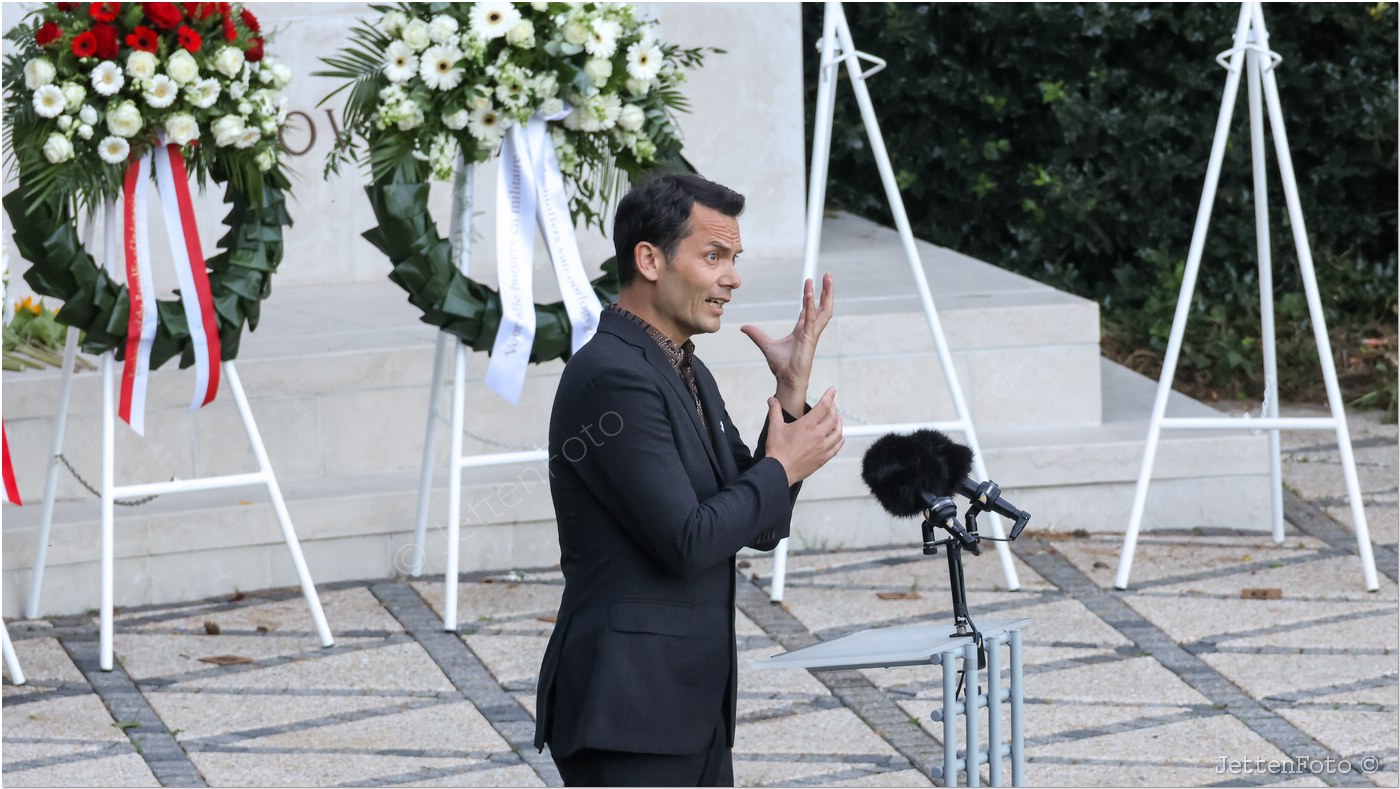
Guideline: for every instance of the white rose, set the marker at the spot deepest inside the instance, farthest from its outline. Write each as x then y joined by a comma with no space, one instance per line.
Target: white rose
227,130
38,73
442,28
522,35
229,61
65,122
631,118
265,159
125,120
181,66
417,35
598,70
87,114
283,74
181,128
456,121
85,131
575,31
638,87
249,137
142,65
392,22
236,90
73,95
411,115
57,148
551,106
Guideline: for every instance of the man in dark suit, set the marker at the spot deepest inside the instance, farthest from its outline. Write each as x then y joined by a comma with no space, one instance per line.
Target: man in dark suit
655,492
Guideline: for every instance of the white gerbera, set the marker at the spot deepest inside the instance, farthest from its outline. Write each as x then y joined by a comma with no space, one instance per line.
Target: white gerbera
442,28
400,64
203,94
142,65
107,78
438,67
48,101
493,20
487,125
602,38
113,150
644,61
161,92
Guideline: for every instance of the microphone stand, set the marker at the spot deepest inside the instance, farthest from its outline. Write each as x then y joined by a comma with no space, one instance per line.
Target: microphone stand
944,513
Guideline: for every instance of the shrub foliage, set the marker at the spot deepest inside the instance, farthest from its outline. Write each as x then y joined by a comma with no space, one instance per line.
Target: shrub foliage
1069,143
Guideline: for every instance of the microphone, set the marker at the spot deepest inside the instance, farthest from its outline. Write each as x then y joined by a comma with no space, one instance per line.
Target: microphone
909,473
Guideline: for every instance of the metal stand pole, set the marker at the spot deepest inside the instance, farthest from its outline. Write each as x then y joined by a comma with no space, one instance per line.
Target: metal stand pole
1252,38
65,391
837,33
11,659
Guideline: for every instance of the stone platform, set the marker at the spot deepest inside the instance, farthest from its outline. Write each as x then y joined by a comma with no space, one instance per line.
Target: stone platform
338,379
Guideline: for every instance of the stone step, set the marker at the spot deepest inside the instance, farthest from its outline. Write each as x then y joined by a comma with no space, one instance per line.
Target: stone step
338,380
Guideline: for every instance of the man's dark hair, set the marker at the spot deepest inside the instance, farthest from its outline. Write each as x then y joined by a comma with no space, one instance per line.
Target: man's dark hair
658,211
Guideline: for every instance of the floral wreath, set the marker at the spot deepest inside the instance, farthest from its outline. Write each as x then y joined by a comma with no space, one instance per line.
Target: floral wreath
437,82
91,88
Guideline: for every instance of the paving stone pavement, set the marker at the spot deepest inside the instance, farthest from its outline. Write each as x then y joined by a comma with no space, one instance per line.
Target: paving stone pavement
1179,681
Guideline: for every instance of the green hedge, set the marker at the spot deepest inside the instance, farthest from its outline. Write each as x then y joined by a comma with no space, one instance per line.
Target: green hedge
1069,143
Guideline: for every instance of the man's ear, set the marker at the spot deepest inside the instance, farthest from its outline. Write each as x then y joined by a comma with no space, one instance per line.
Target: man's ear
649,260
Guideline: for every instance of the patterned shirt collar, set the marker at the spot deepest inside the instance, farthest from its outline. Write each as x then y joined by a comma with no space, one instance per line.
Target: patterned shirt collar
678,355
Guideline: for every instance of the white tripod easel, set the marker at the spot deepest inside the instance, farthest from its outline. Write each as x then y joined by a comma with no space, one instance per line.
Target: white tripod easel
837,47
1251,43
461,237
110,490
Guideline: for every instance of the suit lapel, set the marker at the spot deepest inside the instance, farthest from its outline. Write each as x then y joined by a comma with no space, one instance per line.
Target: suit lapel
714,412
635,335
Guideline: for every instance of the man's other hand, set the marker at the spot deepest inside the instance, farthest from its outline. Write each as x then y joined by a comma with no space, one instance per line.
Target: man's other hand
807,444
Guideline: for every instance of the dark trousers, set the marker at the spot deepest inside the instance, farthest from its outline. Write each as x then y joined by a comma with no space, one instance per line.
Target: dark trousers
713,766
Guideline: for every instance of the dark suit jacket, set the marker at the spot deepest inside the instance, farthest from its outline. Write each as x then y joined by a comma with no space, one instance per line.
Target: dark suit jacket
651,511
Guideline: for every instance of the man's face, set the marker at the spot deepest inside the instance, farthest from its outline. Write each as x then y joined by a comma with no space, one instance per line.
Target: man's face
698,280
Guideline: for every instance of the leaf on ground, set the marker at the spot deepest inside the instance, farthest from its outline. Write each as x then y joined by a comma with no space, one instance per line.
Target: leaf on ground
1261,594
548,618
212,628
899,595
226,660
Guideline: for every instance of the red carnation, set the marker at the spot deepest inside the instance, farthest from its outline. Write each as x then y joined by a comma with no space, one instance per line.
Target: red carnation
249,20
107,43
48,33
143,38
85,44
104,12
163,15
189,39
230,32
255,52
200,11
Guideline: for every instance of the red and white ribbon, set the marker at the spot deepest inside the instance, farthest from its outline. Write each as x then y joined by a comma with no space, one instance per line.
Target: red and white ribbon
141,319
196,297
11,488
